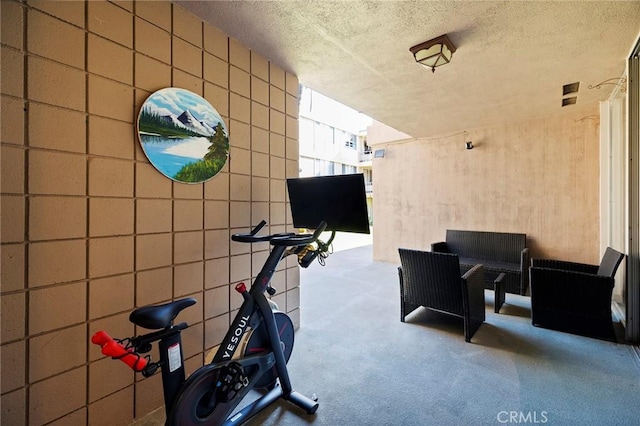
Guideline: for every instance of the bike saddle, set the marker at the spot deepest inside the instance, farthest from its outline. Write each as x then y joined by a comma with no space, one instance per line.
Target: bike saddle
159,316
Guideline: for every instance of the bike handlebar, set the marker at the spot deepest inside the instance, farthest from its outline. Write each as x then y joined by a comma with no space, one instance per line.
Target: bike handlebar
283,239
299,239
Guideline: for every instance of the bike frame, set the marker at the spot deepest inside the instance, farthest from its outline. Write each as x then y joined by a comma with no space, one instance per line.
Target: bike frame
254,309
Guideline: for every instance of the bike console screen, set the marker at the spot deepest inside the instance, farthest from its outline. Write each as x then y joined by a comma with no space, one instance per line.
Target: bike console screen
338,200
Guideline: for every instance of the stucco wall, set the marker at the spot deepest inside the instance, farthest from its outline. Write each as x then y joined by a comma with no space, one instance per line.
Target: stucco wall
538,177
91,230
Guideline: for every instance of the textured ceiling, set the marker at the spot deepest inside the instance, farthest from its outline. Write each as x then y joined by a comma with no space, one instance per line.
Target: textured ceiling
511,62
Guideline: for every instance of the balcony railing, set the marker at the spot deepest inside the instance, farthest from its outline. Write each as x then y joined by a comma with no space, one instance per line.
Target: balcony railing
365,156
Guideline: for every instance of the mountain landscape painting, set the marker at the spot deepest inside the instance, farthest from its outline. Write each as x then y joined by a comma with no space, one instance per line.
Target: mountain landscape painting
182,135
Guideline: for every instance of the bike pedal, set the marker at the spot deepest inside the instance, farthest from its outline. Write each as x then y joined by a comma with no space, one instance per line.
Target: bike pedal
231,380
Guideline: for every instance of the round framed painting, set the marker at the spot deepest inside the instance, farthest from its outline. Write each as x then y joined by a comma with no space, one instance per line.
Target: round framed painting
182,135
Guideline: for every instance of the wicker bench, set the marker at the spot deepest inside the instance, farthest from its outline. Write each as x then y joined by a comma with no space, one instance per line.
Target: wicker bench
499,252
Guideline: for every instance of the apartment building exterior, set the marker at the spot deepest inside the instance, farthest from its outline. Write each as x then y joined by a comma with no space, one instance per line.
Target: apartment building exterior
333,140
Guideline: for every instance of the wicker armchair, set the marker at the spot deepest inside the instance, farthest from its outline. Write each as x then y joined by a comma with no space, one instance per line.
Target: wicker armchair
433,280
574,297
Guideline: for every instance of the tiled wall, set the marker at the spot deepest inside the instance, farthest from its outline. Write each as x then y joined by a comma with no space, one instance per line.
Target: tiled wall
91,230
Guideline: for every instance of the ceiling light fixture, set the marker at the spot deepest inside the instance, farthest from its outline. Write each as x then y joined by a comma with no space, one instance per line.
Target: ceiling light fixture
433,53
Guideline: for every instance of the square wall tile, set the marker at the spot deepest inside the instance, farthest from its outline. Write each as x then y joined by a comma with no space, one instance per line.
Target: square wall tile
293,169
216,70
53,218
101,412
217,188
216,273
240,268
276,121
277,213
111,295
57,307
154,286
240,82
276,98
156,12
292,148
147,396
187,57
215,330
216,243
277,76
293,278
110,256
108,98
153,251
278,190
14,406
188,279
216,302
239,108
276,144
12,24
109,59
188,247
291,127
259,189
13,358
45,403
216,42
239,134
259,211
291,105
187,215
277,168
187,191
240,214
153,216
187,81
54,262
49,83
260,164
259,115
56,173
55,39
51,353
257,261
13,317
151,74
150,183
259,66
292,84
218,97
187,26
110,216
111,22
216,214
72,12
106,377
12,113
57,128
12,267
152,41
12,72
239,55
12,212
113,178
111,138
240,160
259,139
240,189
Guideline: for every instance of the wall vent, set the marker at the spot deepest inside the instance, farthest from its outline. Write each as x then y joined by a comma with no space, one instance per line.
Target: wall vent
569,101
570,88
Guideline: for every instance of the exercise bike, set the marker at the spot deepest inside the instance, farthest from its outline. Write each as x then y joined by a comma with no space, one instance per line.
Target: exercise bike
253,354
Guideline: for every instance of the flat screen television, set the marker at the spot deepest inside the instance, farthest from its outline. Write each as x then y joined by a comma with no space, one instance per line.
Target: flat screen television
338,200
